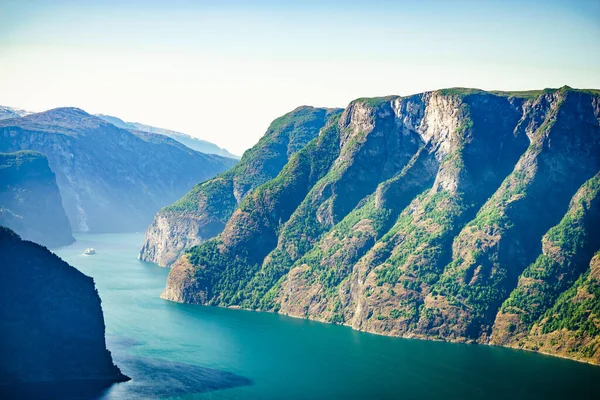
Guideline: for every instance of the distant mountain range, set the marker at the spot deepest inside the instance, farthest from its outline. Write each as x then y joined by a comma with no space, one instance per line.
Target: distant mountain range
458,215
110,179
193,143
11,112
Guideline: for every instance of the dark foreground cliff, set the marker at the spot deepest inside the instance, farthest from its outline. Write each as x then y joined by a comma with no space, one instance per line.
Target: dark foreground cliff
52,327
30,202
458,215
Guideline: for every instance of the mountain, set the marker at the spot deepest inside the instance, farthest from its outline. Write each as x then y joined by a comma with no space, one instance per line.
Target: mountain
30,202
110,179
458,215
202,213
52,324
11,112
193,143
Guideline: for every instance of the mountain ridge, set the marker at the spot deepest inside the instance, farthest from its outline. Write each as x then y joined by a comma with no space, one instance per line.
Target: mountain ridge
410,230
110,179
203,211
192,142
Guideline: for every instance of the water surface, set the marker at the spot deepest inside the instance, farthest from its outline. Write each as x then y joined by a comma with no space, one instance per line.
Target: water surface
177,351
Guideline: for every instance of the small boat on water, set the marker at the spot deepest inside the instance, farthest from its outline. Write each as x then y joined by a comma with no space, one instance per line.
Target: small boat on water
89,251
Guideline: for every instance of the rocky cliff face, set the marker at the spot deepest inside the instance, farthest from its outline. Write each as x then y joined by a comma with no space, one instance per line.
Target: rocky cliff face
202,213
554,307
421,216
30,202
110,179
52,326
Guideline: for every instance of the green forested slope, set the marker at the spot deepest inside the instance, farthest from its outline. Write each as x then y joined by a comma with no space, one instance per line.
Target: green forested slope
459,214
202,213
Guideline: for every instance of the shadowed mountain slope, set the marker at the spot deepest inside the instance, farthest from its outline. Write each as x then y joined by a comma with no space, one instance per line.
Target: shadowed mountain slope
110,179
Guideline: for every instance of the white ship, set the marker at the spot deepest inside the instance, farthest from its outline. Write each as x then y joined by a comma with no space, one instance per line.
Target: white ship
89,251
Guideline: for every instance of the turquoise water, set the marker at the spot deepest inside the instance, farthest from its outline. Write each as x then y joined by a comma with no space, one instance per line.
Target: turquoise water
192,352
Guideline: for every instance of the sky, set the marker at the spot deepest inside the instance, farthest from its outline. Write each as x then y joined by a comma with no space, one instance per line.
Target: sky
223,70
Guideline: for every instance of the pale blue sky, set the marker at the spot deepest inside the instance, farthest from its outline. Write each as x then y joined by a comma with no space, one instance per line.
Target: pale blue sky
222,70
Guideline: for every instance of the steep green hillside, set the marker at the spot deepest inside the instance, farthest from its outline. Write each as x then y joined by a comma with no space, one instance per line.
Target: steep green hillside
203,211
571,328
492,251
30,202
566,251
420,216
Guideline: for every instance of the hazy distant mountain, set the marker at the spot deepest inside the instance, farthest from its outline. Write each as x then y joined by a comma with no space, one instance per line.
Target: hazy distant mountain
30,202
110,179
458,215
11,112
190,141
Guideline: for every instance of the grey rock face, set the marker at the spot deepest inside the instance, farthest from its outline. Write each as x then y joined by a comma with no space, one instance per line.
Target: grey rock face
425,214
193,143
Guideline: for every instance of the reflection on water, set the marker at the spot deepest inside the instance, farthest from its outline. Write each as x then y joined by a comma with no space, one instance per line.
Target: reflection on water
153,378
185,352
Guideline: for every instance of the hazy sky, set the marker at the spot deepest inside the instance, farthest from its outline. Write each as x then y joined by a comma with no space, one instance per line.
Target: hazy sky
222,70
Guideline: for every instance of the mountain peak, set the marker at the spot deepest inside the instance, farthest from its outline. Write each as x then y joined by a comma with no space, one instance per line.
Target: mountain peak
65,120
12,112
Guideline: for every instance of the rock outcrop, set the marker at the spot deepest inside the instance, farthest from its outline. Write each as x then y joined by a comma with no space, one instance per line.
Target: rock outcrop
52,326
30,202
423,216
110,179
202,213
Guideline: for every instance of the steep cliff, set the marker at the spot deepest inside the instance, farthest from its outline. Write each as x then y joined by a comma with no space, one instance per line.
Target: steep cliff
555,306
571,328
52,324
202,213
417,216
110,179
30,202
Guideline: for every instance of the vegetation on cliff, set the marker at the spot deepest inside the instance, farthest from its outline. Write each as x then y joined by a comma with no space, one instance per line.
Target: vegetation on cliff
460,215
203,212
